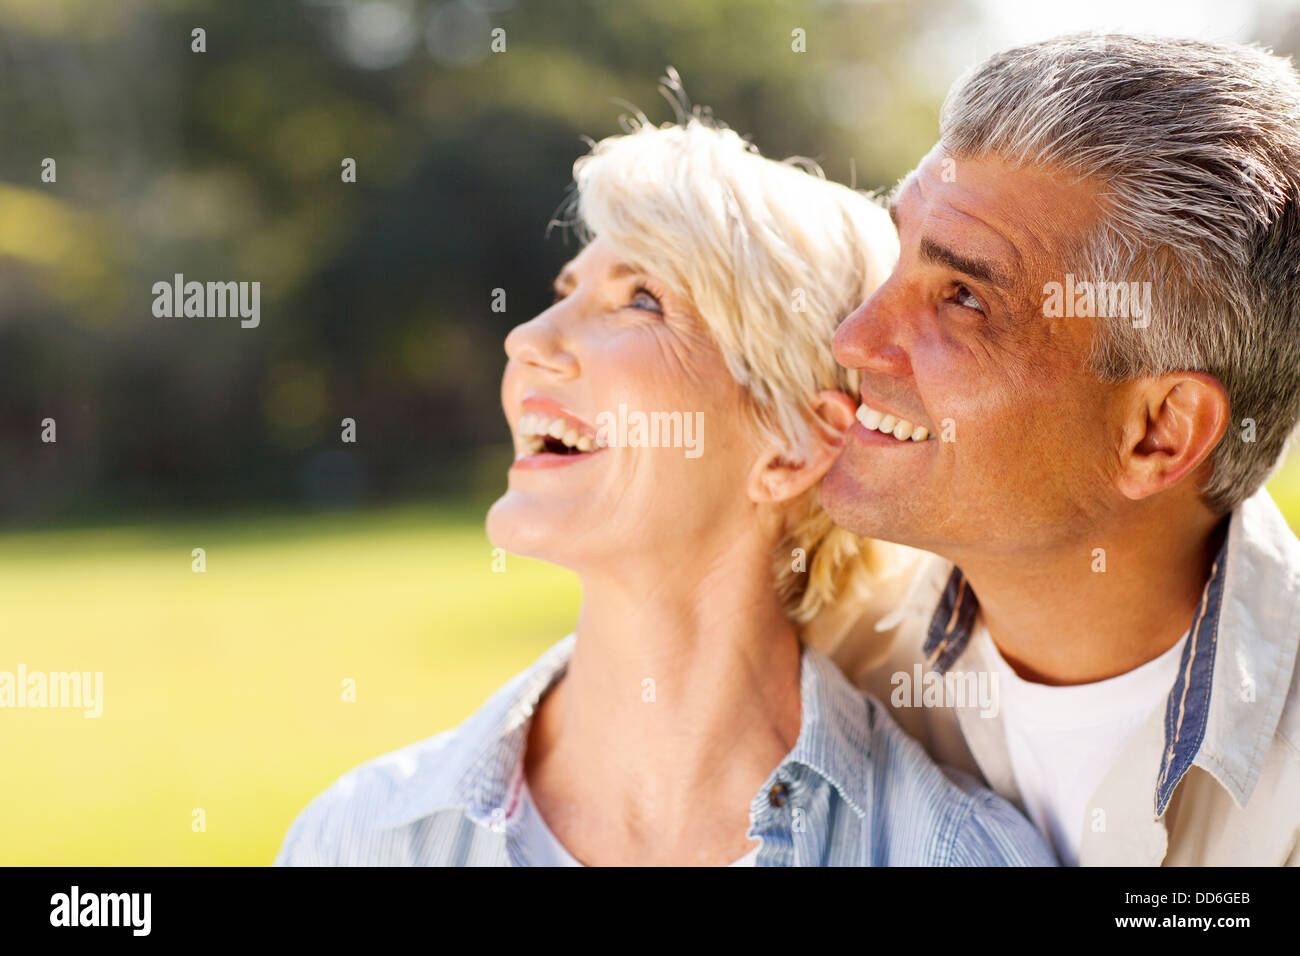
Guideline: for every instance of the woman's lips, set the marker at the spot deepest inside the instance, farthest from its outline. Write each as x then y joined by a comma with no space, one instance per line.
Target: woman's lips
546,459
560,431
548,435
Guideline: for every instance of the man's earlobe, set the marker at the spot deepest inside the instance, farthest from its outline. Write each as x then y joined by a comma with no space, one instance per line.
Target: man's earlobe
1178,420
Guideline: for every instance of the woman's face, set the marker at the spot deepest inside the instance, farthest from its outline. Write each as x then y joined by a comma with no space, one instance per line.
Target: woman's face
588,486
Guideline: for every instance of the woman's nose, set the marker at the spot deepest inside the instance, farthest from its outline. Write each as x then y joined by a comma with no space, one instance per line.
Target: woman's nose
538,344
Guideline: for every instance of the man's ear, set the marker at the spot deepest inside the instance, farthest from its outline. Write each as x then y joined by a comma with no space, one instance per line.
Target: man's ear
1174,425
775,477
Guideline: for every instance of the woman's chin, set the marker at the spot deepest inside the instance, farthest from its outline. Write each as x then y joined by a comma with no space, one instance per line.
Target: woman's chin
525,527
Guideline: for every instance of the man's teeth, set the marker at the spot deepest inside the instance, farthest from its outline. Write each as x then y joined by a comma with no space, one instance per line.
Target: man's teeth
900,428
534,428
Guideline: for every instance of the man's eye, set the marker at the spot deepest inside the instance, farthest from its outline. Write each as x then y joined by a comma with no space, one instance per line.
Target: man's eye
965,299
645,299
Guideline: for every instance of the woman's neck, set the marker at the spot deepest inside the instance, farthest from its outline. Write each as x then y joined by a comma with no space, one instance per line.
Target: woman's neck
679,701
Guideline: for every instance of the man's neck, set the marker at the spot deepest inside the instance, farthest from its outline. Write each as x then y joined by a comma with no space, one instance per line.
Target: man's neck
1101,607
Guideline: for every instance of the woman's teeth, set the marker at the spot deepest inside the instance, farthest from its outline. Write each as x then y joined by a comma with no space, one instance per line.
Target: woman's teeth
534,428
900,428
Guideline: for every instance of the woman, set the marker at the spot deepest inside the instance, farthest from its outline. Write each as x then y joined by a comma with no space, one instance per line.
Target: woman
673,413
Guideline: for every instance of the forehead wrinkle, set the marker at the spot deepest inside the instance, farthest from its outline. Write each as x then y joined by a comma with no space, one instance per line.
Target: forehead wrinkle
1003,240
1013,280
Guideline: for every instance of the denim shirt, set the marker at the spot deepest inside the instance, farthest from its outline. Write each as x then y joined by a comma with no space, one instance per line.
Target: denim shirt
854,791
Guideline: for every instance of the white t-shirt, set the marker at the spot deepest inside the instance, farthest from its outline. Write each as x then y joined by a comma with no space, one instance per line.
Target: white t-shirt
546,850
1063,740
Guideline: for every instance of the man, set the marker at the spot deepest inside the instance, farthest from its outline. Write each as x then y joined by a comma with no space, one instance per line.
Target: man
1094,328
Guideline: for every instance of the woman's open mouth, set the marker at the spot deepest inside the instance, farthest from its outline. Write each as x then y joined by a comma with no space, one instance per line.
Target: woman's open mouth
545,439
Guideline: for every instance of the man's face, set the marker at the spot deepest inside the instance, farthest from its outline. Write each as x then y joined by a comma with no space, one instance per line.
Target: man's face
1023,439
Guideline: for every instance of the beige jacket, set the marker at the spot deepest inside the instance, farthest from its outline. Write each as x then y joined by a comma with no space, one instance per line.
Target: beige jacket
1213,776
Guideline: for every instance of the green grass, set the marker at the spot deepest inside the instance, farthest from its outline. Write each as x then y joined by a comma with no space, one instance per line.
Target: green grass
223,690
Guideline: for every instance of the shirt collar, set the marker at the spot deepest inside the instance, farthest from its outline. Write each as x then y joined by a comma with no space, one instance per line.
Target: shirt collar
1236,667
1258,635
834,732
476,774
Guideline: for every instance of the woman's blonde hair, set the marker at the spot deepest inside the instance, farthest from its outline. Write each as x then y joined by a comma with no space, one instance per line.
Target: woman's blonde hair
773,256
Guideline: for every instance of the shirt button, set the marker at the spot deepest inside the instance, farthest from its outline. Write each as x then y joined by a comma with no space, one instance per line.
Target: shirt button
778,795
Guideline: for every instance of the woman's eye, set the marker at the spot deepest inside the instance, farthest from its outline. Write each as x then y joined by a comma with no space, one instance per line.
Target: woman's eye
966,300
645,299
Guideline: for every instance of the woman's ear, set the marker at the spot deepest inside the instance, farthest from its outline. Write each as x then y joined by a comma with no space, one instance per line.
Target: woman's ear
777,477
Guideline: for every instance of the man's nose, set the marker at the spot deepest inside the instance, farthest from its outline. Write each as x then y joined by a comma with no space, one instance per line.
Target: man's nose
541,344
871,338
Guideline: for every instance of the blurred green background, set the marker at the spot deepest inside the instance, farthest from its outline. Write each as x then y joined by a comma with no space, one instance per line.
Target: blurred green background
330,562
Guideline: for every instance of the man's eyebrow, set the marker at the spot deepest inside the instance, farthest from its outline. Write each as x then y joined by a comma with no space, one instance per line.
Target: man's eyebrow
933,252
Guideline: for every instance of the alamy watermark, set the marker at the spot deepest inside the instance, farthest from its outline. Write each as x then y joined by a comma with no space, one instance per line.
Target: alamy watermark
952,689
208,300
75,908
53,689
624,429
1082,298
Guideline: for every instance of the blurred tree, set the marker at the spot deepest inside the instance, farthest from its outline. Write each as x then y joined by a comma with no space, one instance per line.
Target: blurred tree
227,165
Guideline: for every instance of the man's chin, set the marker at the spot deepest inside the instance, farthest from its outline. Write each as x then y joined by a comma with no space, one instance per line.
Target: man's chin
848,503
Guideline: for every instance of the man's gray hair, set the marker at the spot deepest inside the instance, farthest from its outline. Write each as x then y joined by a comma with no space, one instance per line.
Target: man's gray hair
1196,148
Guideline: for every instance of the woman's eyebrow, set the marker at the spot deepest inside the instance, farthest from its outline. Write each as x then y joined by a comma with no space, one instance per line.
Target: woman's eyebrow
564,281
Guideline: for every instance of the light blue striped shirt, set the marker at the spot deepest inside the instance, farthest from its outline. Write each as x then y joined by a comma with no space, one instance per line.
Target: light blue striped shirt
854,791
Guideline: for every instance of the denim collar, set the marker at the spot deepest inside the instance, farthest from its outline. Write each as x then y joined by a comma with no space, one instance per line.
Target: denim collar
833,742
1236,666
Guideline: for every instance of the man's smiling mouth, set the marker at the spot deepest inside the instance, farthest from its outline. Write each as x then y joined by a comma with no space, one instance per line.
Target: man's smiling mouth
899,428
